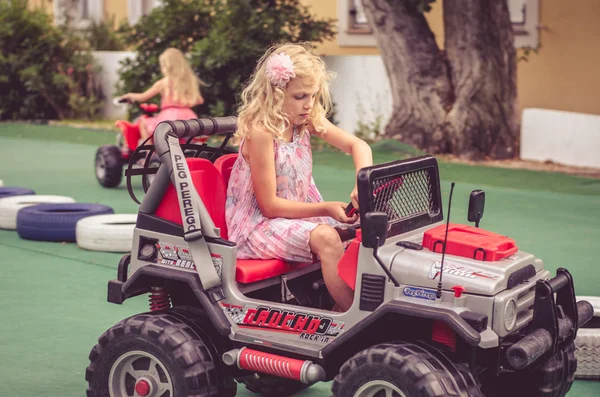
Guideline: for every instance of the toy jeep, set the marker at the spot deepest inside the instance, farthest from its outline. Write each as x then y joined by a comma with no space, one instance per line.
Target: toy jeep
439,309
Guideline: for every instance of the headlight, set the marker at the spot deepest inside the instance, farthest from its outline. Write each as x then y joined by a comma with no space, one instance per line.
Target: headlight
510,314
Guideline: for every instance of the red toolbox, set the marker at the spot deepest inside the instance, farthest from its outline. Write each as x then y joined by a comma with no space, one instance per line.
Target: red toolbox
470,242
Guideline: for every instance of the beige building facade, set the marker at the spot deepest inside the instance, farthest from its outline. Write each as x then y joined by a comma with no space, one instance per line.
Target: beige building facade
561,75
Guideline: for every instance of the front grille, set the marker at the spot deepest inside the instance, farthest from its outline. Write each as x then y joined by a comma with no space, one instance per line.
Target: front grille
525,307
408,191
404,196
524,296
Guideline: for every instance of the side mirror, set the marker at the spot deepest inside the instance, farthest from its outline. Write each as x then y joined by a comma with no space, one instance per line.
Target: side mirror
375,224
476,205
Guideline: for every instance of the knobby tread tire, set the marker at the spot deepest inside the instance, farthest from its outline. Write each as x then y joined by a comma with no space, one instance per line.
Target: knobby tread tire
412,368
173,341
113,165
587,352
552,379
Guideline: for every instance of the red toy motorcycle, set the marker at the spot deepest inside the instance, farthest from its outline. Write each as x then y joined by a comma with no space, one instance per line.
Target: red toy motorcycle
110,159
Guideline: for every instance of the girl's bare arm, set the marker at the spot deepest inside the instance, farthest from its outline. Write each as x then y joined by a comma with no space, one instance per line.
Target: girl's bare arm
260,155
348,143
148,94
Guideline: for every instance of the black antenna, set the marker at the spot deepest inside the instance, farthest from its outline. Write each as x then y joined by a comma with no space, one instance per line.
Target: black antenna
439,287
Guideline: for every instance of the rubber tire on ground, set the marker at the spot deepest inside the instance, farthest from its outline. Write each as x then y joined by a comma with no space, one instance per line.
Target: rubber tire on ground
55,222
587,343
14,191
10,206
109,233
414,369
272,386
552,379
169,338
109,165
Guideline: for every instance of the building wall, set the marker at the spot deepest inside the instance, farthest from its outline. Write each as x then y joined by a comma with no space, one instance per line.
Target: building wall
116,8
46,5
562,75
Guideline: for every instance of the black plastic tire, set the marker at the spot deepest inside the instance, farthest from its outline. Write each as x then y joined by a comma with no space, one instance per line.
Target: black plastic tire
404,369
272,386
14,191
55,222
109,165
552,379
183,361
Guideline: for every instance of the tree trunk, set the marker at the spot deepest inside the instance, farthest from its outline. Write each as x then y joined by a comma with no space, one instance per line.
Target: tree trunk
461,100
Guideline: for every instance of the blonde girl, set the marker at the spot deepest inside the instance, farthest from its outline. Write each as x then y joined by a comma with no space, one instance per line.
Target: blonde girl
274,209
179,90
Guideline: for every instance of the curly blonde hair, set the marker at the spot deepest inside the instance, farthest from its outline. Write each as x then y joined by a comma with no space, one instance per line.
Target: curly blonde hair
262,102
184,85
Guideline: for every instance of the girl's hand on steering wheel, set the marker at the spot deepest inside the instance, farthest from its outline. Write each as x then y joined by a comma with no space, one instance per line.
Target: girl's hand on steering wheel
337,210
126,97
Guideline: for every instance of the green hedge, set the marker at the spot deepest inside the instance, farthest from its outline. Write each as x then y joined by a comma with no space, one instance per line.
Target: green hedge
45,71
223,38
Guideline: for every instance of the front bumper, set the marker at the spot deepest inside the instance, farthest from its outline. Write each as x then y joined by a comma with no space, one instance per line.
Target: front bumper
555,322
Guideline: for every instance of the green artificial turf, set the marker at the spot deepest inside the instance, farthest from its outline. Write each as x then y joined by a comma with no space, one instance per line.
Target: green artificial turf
53,295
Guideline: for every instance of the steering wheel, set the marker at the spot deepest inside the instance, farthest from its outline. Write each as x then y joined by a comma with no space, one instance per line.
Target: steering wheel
350,210
119,101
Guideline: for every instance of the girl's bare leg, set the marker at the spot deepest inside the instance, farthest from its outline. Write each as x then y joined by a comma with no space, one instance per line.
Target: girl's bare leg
325,242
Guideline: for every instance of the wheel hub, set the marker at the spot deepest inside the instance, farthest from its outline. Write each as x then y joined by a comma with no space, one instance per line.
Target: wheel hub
379,388
139,373
143,387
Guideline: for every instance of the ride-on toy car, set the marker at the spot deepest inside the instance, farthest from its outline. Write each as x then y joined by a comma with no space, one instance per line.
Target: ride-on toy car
439,309
110,159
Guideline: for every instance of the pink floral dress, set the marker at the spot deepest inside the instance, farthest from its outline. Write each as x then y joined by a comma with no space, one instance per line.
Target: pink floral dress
169,110
259,237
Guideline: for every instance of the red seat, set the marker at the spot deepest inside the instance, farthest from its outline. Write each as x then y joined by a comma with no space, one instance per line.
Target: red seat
224,164
131,133
209,184
212,190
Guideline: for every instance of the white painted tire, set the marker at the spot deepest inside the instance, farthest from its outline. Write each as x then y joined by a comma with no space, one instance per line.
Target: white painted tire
109,233
587,345
9,206
1,183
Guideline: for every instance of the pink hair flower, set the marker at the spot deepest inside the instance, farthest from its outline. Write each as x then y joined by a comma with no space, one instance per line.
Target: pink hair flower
280,69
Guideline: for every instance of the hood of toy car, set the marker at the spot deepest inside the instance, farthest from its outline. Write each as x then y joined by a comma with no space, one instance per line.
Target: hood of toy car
424,267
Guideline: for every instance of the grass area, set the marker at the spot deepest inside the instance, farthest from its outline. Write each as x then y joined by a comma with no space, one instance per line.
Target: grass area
382,152
477,175
58,133
53,295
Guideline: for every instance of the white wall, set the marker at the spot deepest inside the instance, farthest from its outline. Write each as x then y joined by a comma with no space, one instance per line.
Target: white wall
562,137
361,90
109,61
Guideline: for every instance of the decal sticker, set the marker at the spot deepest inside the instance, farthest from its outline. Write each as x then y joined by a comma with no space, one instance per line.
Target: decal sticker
167,251
307,326
173,255
458,270
420,293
